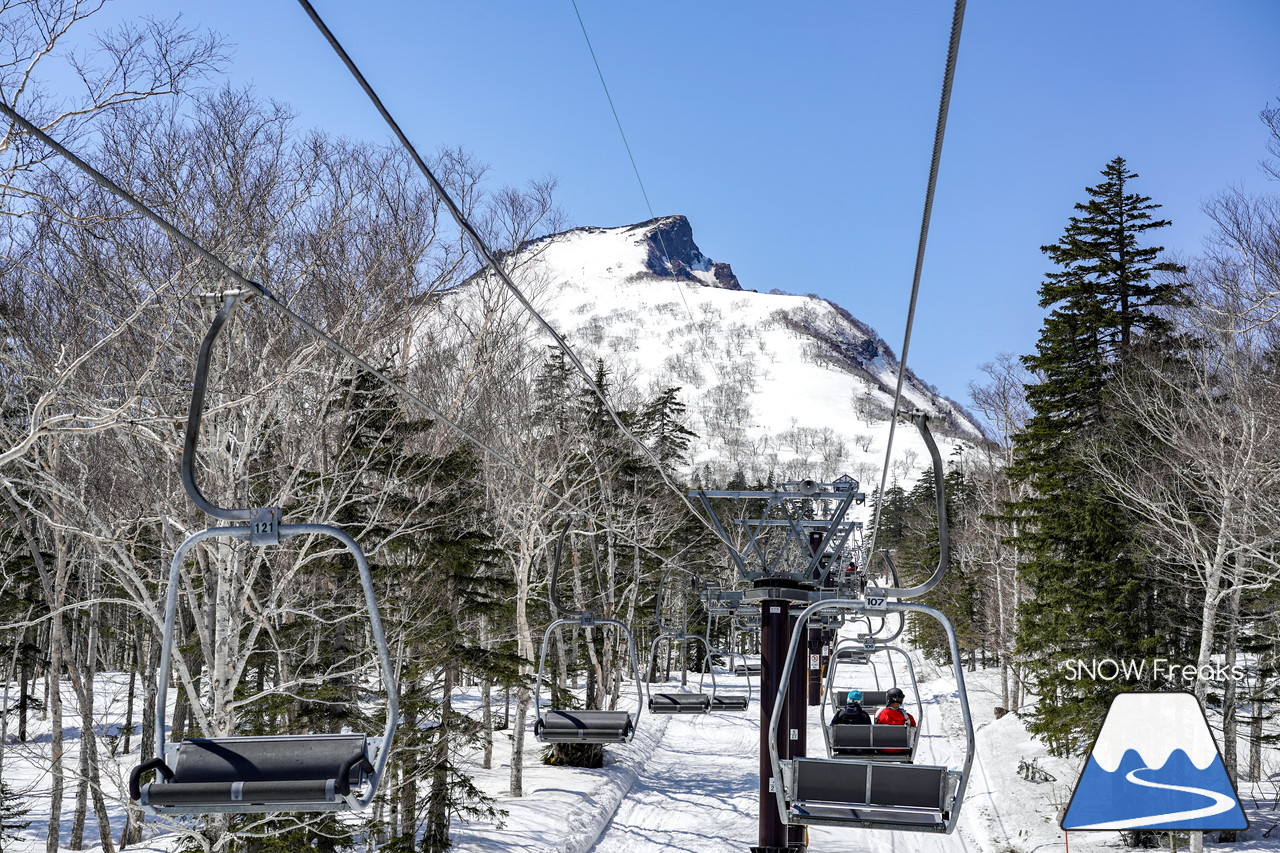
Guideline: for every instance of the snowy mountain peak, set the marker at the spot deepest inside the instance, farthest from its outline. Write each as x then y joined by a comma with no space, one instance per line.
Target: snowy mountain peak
662,247
776,385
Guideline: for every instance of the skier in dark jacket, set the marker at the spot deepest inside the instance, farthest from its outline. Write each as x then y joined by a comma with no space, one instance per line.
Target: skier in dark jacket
852,713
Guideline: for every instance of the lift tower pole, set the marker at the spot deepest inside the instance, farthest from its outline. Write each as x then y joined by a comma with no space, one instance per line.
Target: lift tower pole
797,724
775,635
785,555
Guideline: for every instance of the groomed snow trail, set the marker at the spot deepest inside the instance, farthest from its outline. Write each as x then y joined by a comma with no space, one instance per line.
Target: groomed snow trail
698,790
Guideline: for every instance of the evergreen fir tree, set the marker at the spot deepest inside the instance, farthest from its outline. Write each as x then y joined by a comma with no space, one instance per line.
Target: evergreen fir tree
662,424
11,814
420,514
1091,596
959,595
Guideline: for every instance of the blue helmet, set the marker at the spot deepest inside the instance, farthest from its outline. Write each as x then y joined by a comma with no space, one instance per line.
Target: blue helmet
853,697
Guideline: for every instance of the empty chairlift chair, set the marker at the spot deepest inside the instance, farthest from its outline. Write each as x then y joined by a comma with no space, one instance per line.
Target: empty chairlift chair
585,726
847,655
722,602
734,702
683,702
559,725
689,702
243,774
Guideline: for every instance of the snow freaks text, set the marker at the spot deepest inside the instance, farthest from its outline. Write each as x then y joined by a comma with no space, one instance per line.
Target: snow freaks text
1159,669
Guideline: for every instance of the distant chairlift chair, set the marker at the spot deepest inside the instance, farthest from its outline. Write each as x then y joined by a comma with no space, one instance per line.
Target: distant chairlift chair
851,653
684,702
874,742
582,726
242,774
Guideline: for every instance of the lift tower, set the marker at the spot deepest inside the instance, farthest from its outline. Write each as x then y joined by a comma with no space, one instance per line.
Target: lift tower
787,544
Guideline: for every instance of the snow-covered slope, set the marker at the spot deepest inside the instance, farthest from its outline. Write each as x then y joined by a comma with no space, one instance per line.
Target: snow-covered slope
775,384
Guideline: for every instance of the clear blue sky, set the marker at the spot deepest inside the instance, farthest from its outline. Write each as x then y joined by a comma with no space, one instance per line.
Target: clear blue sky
796,136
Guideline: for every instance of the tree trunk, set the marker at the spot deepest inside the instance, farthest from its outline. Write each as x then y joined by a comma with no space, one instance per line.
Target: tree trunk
435,838
1229,694
1255,727
56,777
517,742
131,696
486,705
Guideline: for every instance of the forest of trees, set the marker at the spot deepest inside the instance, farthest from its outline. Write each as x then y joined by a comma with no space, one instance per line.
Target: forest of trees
1124,507
101,322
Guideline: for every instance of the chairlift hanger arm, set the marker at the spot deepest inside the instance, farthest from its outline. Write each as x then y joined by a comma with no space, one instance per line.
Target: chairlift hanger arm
553,595
921,421
230,301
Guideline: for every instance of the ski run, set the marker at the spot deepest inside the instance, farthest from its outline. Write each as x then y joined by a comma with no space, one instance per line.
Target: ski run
689,783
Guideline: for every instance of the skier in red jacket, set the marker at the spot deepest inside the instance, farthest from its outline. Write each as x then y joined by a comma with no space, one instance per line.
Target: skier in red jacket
893,715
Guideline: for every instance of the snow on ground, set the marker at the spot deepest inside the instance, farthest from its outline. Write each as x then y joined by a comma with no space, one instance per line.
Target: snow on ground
695,789
688,783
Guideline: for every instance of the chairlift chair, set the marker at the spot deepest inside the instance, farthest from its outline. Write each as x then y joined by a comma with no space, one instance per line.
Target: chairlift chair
735,702
857,792
852,653
258,774
683,702
875,742
555,725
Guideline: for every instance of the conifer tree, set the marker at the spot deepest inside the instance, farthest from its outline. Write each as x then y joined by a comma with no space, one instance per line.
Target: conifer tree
662,424
11,813
1091,596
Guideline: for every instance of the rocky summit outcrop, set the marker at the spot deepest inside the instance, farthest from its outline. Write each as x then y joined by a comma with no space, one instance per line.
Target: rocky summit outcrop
672,252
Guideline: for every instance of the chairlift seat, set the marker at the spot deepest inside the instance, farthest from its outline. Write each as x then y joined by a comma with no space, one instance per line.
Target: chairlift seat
869,741
870,698
584,727
747,669
862,793
249,775
679,703
730,703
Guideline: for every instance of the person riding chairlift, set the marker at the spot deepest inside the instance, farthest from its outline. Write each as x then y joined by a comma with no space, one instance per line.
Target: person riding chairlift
852,714
893,715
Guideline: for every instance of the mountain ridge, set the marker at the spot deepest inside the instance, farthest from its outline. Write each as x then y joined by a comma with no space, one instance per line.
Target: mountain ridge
776,383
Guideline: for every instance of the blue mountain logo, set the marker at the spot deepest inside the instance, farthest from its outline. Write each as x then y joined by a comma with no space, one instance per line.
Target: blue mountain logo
1155,765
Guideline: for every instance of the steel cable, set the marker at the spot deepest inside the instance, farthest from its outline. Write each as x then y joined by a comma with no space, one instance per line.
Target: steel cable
953,49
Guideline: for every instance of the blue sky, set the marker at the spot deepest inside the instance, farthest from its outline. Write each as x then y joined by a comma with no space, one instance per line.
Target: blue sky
796,137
